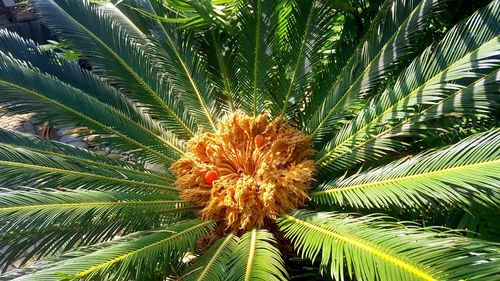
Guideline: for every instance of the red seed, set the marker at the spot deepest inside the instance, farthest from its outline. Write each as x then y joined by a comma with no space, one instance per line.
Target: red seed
259,140
210,177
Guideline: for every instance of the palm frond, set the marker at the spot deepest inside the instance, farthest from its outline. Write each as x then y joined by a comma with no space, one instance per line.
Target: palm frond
257,35
71,73
461,175
192,15
391,40
374,248
133,256
24,247
213,264
479,98
308,25
222,68
81,156
180,65
437,74
30,209
20,166
57,101
118,50
256,258
70,218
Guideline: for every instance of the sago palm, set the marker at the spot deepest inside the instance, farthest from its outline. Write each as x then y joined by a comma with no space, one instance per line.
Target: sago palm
263,146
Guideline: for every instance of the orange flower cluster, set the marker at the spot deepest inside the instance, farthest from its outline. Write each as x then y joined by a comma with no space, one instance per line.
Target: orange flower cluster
249,170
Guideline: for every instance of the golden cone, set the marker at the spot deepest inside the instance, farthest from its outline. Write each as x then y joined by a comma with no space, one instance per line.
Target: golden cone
262,170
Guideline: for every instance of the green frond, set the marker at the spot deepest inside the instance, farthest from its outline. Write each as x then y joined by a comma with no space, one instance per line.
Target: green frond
390,41
222,68
71,218
118,50
462,175
57,101
308,26
258,24
45,208
81,156
71,73
213,264
20,166
24,247
437,77
195,16
133,256
374,248
256,258
182,67
479,98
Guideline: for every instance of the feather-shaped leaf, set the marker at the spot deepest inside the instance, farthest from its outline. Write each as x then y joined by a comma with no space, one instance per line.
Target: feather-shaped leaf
20,166
71,73
32,209
391,40
118,50
57,101
307,27
134,256
459,61
463,174
258,25
256,258
213,264
81,156
374,248
34,218
181,66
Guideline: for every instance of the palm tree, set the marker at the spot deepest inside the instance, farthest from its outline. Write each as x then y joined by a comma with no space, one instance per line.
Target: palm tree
263,146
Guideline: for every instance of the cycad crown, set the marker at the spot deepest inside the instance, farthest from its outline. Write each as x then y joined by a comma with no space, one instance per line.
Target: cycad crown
167,72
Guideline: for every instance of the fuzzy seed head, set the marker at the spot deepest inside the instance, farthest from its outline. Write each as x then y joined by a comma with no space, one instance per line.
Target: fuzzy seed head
249,171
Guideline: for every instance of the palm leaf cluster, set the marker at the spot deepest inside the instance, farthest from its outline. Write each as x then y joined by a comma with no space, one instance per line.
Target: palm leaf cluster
164,70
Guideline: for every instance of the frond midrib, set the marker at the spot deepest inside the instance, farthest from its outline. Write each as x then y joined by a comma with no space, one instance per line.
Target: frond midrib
94,163
188,74
90,204
224,72
481,165
193,84
364,246
251,254
256,57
